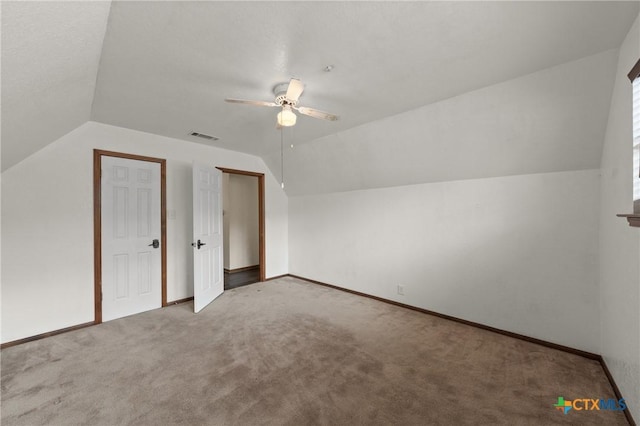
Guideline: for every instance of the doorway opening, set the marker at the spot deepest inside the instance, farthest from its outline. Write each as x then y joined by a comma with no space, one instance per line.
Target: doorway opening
243,218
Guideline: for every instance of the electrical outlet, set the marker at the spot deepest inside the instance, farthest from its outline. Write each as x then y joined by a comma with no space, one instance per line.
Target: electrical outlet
401,290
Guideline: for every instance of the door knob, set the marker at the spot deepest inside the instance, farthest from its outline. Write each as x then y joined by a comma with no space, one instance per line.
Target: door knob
155,244
198,244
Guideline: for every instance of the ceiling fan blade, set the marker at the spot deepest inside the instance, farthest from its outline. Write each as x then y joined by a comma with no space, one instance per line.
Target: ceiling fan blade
258,103
294,90
317,113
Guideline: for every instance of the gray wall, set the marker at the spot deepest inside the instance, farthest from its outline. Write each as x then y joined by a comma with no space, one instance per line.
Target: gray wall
619,293
518,253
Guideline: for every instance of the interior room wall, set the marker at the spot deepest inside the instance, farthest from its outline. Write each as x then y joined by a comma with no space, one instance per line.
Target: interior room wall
517,253
47,224
241,216
225,218
620,244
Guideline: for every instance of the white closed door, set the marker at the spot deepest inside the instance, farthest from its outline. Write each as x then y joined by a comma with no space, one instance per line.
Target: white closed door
131,231
208,275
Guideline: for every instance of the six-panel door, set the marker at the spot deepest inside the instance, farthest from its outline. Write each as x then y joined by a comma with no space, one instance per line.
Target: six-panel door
130,214
208,276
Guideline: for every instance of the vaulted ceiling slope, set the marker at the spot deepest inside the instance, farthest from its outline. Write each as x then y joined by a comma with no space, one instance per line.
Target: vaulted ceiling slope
50,56
166,67
549,121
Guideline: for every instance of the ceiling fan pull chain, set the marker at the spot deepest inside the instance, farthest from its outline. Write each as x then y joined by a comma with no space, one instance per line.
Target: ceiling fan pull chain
282,157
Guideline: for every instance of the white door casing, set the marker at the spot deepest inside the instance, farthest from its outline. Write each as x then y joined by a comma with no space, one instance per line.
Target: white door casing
208,276
131,221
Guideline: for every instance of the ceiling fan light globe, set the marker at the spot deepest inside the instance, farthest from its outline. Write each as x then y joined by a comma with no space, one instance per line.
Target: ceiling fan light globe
286,118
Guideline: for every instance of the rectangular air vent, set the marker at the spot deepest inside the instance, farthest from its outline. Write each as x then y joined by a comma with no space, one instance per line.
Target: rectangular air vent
203,136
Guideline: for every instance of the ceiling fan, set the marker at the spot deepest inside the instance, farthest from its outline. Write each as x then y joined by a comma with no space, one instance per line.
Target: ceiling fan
287,95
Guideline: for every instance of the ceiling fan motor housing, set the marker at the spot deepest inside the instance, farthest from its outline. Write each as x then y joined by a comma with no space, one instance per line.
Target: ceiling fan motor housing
280,90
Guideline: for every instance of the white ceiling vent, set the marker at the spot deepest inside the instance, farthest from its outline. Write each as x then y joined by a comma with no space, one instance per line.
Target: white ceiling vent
203,136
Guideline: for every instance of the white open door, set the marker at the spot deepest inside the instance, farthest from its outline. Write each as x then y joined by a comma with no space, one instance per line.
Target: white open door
208,276
131,234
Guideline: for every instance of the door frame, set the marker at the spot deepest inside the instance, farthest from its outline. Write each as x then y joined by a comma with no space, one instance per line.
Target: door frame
261,213
97,223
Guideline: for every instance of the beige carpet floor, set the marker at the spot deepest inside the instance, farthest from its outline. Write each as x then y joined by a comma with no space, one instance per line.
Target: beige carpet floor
287,352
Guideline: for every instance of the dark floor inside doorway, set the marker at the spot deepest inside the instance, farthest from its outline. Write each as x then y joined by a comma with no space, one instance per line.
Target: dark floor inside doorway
240,278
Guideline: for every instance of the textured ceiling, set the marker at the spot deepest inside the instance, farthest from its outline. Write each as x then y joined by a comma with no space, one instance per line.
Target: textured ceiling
50,56
166,67
549,121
